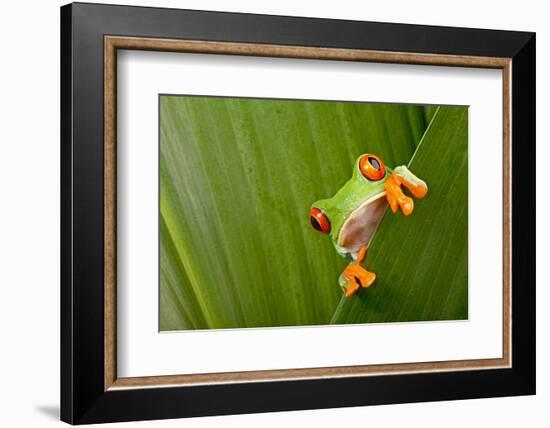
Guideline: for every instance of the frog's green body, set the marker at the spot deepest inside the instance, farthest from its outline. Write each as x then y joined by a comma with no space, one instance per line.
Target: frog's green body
350,201
351,216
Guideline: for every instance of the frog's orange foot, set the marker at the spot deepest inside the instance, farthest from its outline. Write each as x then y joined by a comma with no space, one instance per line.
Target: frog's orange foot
394,193
356,276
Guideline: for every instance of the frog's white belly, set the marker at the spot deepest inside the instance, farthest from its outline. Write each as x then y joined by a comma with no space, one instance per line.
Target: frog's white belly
361,224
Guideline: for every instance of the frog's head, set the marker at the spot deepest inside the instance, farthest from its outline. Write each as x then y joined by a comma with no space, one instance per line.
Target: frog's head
352,214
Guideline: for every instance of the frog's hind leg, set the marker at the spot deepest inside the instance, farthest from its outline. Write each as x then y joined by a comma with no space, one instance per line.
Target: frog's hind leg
352,285
355,275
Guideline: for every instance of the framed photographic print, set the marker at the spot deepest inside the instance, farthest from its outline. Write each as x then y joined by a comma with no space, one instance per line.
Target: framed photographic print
264,213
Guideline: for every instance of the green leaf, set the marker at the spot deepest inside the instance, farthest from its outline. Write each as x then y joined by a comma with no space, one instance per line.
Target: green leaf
429,112
421,261
237,177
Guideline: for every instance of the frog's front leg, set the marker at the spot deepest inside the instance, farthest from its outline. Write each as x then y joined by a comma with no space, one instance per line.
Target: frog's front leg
394,194
355,275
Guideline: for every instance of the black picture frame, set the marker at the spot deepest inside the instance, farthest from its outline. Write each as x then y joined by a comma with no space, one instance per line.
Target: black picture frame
83,396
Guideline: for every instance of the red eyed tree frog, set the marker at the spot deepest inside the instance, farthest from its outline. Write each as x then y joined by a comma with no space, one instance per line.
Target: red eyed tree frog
352,214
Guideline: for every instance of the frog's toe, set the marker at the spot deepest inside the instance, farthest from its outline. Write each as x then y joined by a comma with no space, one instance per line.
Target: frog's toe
367,278
407,206
351,288
415,185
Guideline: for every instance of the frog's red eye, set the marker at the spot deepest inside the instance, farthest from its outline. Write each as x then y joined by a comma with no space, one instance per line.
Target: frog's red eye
372,167
319,220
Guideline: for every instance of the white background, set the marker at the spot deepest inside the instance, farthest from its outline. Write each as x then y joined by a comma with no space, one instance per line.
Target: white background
29,220
142,351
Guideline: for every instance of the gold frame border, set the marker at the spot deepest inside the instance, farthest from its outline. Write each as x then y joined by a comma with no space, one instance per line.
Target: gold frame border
112,43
